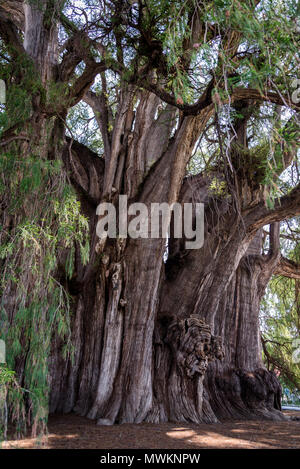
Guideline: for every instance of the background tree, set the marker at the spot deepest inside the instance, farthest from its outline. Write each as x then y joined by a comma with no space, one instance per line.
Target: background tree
164,80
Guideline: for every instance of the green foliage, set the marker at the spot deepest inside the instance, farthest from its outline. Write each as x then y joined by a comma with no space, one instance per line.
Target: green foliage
47,222
11,395
21,89
6,375
280,329
218,188
280,315
84,127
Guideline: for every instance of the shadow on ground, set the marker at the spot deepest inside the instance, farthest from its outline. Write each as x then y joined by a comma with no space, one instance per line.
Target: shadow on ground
71,432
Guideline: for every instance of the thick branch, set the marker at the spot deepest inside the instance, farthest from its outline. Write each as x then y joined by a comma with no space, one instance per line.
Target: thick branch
239,94
288,268
13,10
188,109
274,239
10,36
99,105
86,170
287,206
270,96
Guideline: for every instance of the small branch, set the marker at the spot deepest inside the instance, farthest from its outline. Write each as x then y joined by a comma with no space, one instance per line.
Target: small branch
188,109
18,137
274,239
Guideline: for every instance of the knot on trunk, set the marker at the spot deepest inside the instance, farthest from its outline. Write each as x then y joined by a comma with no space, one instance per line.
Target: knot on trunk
260,387
193,345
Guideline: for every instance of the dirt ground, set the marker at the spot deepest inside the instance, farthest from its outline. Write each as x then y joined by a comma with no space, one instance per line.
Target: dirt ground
71,431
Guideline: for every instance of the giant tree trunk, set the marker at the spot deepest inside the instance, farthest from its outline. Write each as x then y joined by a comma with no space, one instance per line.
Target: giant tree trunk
190,374
152,341
238,386
241,387
114,370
